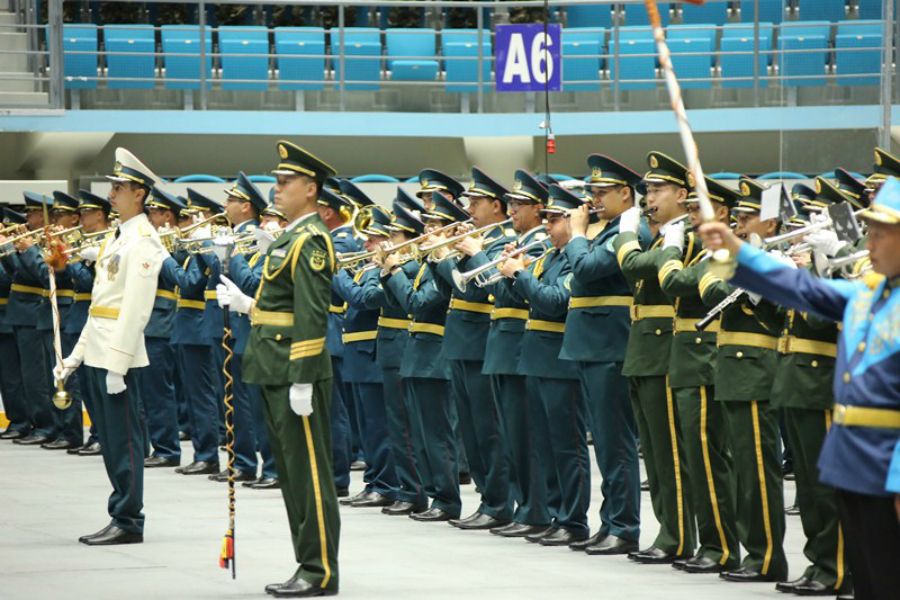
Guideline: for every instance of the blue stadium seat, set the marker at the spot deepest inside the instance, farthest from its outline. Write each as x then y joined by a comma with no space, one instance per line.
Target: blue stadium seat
362,57
631,33
715,13
870,9
850,59
199,178
691,32
185,40
122,67
692,56
636,14
244,57
261,178
781,175
411,54
822,10
725,176
634,67
459,48
300,56
581,63
803,53
770,11
375,178
737,69
80,70
589,15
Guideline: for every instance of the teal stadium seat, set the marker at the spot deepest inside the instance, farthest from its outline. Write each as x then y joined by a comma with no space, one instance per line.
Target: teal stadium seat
300,57
870,9
692,49
715,13
199,178
803,53
581,62
411,54
181,56
80,70
130,59
637,60
737,69
375,178
636,14
459,48
857,53
589,15
362,57
244,57
770,11
822,10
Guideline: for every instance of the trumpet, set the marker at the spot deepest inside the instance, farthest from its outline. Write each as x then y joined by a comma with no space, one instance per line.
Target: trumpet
801,232
841,264
69,236
351,260
480,274
451,241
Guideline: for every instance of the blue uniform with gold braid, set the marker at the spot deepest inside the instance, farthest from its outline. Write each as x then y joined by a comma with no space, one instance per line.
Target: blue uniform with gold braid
10,368
82,276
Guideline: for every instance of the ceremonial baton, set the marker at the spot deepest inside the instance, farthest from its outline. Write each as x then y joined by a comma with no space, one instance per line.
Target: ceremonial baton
227,557
62,399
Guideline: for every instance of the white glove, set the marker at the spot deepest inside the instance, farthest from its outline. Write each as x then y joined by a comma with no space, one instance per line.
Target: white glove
229,294
115,383
90,254
301,398
783,259
220,246
630,220
62,371
824,241
263,239
202,232
674,237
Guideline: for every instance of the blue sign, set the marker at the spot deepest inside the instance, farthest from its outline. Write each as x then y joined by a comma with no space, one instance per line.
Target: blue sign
528,57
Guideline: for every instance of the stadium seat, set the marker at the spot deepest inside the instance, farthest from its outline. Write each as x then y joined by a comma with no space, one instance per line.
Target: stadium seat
737,69
375,178
631,33
692,55
459,48
632,68
199,178
636,14
822,10
244,57
179,40
850,59
770,11
80,70
715,13
589,15
411,54
130,56
725,176
262,178
803,53
870,9
300,56
362,57
581,63
781,175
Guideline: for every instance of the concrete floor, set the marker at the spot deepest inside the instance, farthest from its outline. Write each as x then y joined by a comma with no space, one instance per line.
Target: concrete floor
49,499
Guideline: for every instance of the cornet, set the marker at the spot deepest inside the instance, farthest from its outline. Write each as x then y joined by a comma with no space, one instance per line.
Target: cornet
452,241
481,274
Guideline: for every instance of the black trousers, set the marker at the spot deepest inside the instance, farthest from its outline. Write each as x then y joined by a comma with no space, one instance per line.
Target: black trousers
873,544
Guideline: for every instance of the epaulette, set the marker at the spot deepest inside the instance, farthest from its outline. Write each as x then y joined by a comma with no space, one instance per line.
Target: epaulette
509,232
342,235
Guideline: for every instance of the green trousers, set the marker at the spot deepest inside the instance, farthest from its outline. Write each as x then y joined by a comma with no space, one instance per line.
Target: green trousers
664,459
710,468
302,450
753,430
824,547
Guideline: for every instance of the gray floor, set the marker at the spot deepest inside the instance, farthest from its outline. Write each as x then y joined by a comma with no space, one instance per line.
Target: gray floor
48,499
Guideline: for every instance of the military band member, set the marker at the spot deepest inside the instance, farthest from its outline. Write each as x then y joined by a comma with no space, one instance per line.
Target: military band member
11,388
856,454
158,379
647,363
517,405
597,328
745,368
682,264
433,181
468,323
287,357
111,346
556,410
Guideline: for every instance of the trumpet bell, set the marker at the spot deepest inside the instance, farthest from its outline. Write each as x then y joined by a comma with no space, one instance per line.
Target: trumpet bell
459,281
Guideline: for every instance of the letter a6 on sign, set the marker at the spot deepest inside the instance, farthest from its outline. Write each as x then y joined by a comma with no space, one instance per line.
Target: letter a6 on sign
528,58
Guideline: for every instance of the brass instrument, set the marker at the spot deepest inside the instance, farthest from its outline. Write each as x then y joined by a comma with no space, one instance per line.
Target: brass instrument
85,241
173,238
69,236
480,274
451,241
846,266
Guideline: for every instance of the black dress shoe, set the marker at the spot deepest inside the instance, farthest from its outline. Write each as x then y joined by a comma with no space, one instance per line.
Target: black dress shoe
699,564
483,521
582,544
811,587
465,479
155,462
561,537
348,501
199,467
358,465
611,545
652,556
515,530
12,434
744,574
102,532
535,538
32,440
403,508
264,483
372,500
114,536
788,586
792,510
472,517
74,450
431,515
91,450
222,476
59,444
300,588
184,437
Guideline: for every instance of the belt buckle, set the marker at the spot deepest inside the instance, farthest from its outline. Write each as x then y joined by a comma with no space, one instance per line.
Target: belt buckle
840,414
783,345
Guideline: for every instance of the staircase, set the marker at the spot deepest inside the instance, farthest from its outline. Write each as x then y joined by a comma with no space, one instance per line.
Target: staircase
18,88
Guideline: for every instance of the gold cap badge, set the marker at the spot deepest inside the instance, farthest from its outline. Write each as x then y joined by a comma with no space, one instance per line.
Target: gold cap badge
745,189
282,151
653,162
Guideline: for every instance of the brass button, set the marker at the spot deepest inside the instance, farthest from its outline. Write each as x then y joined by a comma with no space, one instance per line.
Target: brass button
815,364
861,347
698,340
784,332
659,332
278,337
847,377
739,354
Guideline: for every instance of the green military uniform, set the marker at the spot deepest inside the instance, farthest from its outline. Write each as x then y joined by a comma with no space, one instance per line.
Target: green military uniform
745,369
646,364
286,347
691,377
